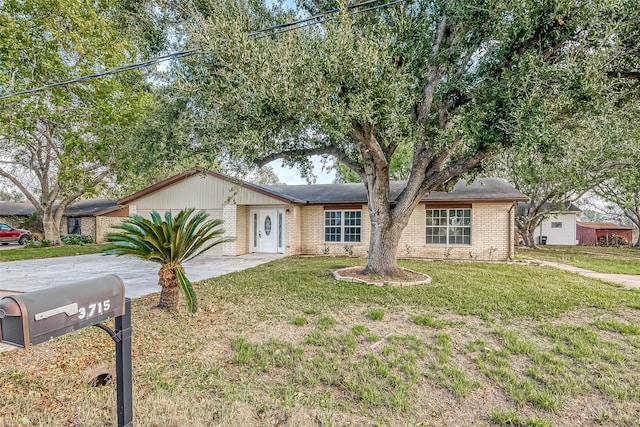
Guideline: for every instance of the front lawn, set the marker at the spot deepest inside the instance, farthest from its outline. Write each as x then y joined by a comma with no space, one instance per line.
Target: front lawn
602,259
285,344
23,253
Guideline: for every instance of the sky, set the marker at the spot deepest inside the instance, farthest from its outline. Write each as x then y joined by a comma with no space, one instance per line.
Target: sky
291,176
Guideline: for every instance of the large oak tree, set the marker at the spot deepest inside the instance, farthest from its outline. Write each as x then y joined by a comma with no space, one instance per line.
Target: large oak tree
439,79
64,143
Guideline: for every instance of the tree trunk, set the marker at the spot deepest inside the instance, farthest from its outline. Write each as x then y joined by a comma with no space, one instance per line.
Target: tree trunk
51,228
527,231
168,281
383,246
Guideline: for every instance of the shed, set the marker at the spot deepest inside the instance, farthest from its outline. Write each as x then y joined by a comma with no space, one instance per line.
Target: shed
603,234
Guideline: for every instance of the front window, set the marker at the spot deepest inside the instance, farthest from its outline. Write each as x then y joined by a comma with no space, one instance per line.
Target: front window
74,225
449,226
342,226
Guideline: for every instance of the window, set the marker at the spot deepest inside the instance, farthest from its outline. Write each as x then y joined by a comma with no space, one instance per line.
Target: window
556,225
449,226
342,226
74,225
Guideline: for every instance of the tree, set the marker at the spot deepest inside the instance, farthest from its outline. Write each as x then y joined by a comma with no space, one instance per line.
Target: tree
559,157
10,196
64,143
170,243
624,192
437,79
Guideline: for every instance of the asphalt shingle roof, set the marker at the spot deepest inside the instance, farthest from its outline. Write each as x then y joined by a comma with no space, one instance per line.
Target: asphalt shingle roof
568,208
79,208
480,189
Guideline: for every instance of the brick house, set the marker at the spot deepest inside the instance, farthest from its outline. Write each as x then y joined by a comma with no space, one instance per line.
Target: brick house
473,221
84,217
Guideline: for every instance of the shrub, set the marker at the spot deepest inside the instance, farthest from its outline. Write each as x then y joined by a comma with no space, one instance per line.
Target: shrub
76,240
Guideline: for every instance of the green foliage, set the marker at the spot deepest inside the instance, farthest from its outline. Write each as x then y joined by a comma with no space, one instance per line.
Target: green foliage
615,326
32,252
76,240
38,244
171,241
33,222
299,321
509,418
326,322
432,322
376,314
601,259
422,89
64,142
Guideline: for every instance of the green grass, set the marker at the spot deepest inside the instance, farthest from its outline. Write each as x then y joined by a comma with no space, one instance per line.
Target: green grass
376,314
533,343
601,259
299,321
432,322
509,418
21,253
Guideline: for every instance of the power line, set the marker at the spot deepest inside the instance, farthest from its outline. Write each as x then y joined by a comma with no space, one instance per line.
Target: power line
284,27
105,73
258,34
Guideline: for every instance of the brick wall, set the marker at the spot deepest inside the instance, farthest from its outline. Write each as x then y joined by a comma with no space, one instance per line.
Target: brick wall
491,235
229,217
293,230
242,230
103,226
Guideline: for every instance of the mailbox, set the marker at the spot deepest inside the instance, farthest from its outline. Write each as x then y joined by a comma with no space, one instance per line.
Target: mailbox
35,317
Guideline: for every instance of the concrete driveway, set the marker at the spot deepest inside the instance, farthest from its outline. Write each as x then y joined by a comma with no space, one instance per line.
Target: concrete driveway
140,277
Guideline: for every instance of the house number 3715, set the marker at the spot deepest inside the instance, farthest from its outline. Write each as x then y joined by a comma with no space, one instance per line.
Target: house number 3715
94,309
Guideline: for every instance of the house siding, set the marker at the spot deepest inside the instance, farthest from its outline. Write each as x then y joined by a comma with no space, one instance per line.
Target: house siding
490,235
220,198
559,236
104,225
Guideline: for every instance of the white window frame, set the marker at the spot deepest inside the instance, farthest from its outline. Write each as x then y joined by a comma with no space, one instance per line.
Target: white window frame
341,227
452,221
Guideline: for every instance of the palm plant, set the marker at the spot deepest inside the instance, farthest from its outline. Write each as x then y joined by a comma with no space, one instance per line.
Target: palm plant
169,242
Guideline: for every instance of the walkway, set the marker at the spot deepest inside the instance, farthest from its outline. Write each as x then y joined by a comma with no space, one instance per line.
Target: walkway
627,280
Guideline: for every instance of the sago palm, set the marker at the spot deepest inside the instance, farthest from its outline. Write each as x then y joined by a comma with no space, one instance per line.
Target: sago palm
169,242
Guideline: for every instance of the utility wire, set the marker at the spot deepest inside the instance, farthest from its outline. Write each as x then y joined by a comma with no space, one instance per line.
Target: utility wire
311,18
303,23
258,34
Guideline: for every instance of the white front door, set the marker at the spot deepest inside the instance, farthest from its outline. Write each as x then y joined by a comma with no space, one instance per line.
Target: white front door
267,231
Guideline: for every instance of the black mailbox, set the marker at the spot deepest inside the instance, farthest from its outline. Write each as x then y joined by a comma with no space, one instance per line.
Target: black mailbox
32,318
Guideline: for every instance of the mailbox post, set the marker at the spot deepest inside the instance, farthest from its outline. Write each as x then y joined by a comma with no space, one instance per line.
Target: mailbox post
35,317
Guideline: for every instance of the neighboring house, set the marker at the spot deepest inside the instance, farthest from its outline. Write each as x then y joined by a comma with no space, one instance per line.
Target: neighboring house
12,212
472,222
559,228
603,233
79,218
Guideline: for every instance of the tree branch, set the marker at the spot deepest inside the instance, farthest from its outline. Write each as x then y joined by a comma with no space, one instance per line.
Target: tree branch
434,76
304,152
15,181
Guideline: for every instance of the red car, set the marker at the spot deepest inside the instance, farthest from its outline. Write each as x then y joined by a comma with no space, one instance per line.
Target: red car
8,234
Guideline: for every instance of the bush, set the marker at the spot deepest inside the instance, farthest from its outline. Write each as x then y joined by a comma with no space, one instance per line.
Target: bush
76,240
33,243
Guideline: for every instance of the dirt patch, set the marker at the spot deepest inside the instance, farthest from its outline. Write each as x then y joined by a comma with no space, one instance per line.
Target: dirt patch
405,278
